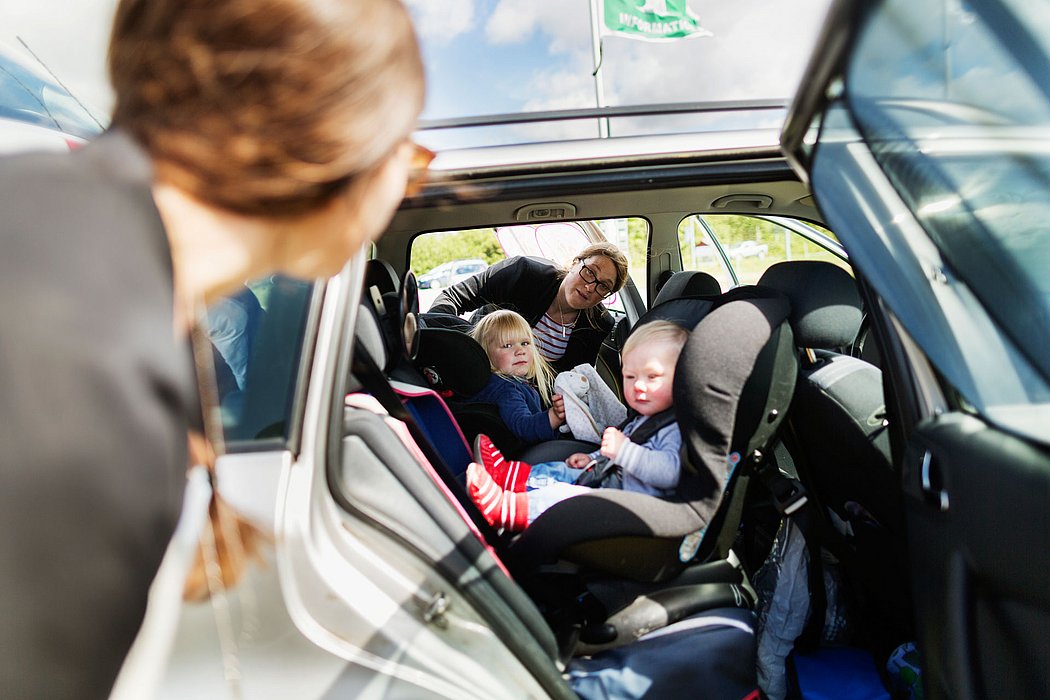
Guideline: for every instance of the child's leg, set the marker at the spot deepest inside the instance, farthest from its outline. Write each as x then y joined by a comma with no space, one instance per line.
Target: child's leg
501,508
542,499
547,473
511,475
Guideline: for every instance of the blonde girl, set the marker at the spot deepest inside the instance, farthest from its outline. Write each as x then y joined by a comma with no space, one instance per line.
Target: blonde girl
521,380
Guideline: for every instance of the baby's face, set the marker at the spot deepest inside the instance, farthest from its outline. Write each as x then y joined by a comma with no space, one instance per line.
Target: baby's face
648,376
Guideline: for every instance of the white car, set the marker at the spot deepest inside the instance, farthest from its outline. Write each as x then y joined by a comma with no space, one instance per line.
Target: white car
380,582
748,249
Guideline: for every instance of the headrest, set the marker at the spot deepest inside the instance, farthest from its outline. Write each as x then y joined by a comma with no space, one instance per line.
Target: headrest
733,384
452,361
369,333
688,283
380,273
825,303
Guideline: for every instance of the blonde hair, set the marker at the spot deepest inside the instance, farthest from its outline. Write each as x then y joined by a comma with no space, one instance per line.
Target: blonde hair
505,326
265,107
655,332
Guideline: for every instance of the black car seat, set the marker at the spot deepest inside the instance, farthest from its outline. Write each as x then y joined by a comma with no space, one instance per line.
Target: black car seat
638,556
380,274
675,285
688,283
837,436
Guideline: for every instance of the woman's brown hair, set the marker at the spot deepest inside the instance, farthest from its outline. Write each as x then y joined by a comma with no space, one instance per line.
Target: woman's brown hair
265,107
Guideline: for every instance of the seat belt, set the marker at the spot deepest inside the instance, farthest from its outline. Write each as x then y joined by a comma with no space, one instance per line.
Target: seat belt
606,467
372,380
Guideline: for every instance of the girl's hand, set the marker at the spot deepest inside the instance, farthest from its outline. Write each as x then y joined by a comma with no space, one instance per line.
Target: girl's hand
555,420
558,404
578,460
612,440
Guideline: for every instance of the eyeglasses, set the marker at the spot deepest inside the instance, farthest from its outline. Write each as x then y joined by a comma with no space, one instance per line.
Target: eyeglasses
420,161
589,277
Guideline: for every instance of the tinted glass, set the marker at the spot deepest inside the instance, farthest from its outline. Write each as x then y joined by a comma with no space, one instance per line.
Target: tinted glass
257,337
954,100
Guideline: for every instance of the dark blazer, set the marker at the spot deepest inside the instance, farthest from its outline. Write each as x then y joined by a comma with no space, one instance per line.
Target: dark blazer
94,410
528,285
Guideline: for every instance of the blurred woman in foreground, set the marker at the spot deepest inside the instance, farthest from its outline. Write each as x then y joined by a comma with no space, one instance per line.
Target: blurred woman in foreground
249,137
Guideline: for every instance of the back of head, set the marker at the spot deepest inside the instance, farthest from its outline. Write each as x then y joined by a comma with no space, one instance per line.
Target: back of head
265,107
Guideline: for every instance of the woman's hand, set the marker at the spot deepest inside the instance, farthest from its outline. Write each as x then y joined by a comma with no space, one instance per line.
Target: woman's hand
558,404
612,440
578,460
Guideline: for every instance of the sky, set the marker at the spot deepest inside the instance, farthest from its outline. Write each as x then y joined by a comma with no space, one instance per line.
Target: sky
500,56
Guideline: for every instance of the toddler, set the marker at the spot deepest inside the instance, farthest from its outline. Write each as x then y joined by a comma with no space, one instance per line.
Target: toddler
512,494
521,379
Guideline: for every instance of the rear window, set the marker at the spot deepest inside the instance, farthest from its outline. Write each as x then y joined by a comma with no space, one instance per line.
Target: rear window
433,256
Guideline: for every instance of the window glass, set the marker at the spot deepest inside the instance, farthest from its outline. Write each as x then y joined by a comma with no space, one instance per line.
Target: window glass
751,244
443,258
954,102
257,339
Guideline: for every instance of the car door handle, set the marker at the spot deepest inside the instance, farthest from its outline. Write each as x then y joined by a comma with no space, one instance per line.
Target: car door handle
932,487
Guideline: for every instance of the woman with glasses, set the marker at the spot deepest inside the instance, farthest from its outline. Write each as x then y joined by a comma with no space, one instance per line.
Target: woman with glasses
562,305
236,151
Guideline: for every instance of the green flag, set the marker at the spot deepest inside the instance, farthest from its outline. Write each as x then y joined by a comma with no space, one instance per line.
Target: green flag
651,20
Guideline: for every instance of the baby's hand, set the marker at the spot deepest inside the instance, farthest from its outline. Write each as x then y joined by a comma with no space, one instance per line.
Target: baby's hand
578,460
558,404
612,439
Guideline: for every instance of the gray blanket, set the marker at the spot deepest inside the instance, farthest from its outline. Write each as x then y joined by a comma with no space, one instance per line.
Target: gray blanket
590,405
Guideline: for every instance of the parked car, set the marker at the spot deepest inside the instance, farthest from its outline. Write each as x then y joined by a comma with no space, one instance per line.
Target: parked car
748,249
380,582
450,273
36,112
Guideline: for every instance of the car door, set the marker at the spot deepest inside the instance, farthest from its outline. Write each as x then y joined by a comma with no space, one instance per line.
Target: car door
938,185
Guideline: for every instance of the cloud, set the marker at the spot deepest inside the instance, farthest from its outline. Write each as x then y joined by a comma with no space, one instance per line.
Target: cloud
440,21
565,24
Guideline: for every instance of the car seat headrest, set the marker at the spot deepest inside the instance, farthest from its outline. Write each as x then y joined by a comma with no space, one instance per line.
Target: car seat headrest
368,331
380,273
688,283
825,303
733,384
452,361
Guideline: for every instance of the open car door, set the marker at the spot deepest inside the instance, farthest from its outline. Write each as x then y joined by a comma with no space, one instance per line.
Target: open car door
932,164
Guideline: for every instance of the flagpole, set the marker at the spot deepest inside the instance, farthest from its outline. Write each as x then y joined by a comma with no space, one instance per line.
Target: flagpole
596,50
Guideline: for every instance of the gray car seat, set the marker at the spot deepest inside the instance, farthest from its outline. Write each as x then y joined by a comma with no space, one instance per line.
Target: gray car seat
643,561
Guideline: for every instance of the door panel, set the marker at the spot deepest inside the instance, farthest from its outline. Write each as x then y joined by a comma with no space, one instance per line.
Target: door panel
979,536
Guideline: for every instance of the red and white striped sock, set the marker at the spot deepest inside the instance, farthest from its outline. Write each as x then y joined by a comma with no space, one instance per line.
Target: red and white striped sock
511,475
501,508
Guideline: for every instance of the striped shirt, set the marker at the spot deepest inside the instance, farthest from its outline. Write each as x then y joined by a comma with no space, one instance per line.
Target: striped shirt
552,337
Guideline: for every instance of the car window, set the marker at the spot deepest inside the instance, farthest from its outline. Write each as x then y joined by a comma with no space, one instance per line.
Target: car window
436,257
738,249
257,339
954,107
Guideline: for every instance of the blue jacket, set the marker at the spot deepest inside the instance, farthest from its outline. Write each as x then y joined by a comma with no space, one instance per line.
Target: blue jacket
519,407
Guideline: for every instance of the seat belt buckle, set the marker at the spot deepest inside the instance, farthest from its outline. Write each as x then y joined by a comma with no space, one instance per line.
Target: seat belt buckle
790,497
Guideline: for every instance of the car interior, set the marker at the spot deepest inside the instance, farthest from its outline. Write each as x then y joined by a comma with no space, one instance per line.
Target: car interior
603,569
838,383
